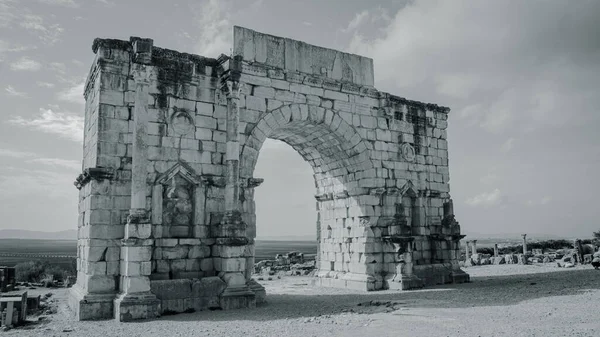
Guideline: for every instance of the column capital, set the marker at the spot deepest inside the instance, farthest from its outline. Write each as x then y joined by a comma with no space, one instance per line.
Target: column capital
233,89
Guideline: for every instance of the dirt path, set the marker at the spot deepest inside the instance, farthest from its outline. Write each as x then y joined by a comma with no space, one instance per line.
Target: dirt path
507,300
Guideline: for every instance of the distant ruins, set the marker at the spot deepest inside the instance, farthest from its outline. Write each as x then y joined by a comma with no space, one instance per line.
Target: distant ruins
166,208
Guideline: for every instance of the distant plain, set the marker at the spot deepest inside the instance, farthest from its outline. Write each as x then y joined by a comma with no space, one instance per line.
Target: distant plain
13,251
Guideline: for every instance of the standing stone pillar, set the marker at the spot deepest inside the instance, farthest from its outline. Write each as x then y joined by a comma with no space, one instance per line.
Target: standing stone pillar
467,250
232,242
135,301
474,250
524,243
495,250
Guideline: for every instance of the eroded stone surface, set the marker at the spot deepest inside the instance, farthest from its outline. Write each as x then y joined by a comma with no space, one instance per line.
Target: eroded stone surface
174,199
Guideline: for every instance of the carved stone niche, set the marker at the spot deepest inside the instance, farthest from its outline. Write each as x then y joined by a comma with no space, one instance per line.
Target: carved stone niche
178,202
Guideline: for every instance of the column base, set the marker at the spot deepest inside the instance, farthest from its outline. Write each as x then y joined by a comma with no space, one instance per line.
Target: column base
130,307
240,297
90,306
404,282
336,279
259,291
459,276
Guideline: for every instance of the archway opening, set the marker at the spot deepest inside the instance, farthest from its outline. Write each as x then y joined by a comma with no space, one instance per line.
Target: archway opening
285,204
338,159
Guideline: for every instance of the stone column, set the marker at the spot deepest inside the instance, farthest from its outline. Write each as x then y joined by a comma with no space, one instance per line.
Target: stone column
524,243
474,250
495,250
467,243
232,242
135,301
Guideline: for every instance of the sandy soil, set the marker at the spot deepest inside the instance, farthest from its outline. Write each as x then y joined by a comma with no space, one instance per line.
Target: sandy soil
506,300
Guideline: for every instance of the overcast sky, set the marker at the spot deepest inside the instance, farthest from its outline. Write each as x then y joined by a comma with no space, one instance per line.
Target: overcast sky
522,79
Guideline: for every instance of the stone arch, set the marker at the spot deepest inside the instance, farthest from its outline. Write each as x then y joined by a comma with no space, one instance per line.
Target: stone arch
314,132
340,158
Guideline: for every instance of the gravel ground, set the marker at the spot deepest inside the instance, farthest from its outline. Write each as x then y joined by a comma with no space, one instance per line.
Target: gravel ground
505,300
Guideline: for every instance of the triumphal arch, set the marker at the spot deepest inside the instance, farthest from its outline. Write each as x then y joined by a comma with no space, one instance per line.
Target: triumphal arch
166,206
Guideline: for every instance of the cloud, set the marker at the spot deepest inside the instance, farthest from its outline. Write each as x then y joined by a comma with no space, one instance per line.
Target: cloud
19,182
57,162
65,125
59,67
13,92
367,18
25,64
489,178
213,20
506,64
7,47
36,159
543,201
507,145
45,84
486,199
7,14
15,153
357,21
73,94
63,3
107,3
78,63
49,34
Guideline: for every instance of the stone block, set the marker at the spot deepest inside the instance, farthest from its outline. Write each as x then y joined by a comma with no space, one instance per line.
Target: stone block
136,254
230,264
207,287
172,289
205,109
174,253
166,242
206,264
196,252
265,92
137,284
192,265
131,268
255,80
335,95
178,265
280,84
206,122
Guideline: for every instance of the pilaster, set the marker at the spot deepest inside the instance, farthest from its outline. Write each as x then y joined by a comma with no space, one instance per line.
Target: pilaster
135,301
233,245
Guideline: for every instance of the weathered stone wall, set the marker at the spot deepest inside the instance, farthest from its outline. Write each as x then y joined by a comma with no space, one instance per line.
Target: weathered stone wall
380,162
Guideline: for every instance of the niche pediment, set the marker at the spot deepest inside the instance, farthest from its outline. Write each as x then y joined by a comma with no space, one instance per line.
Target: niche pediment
181,169
409,190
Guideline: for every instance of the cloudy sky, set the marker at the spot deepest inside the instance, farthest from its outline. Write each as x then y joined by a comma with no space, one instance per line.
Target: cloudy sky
522,79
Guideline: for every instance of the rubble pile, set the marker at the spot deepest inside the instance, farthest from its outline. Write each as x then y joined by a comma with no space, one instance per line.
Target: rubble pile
291,264
564,258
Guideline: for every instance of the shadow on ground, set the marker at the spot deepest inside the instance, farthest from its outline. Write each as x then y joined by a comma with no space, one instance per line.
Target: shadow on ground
482,291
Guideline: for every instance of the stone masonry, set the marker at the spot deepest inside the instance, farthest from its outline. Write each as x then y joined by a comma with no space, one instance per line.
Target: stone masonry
166,213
